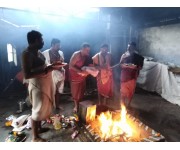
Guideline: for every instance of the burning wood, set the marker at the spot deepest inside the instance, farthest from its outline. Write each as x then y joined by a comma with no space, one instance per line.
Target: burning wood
118,127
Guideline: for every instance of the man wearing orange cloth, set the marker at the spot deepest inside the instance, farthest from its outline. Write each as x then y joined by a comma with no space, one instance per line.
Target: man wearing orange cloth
131,63
77,75
102,61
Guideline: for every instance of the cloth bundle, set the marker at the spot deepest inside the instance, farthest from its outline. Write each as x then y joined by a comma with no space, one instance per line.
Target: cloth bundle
91,70
156,77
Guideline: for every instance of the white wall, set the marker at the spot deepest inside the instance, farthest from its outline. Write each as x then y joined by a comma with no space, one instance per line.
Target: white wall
161,43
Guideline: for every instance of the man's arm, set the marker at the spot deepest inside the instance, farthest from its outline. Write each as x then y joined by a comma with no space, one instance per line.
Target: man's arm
72,65
121,59
95,61
73,61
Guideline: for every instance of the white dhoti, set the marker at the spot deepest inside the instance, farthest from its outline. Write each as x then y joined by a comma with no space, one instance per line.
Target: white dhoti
41,93
58,80
58,76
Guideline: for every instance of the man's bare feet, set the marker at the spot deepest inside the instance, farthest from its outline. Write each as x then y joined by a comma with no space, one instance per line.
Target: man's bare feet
75,110
76,107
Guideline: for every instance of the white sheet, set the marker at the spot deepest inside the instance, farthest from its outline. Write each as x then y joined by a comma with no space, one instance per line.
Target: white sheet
91,70
155,77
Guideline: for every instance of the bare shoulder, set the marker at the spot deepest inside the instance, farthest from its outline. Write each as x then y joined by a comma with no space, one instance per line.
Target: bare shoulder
76,54
25,53
124,55
95,56
26,57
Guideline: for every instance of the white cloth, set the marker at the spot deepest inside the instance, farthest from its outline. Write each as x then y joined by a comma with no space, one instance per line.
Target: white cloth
18,123
41,94
91,70
28,125
57,76
155,77
46,54
99,60
58,79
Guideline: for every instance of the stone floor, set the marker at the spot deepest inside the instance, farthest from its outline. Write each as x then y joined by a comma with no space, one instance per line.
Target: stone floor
150,108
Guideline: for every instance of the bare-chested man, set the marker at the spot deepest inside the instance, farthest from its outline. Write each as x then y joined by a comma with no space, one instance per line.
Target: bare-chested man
131,63
102,62
77,76
40,83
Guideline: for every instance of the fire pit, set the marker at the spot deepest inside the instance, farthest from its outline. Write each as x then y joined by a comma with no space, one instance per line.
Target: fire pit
117,126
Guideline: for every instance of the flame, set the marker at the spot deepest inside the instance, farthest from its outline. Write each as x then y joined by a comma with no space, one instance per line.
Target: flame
105,124
109,126
91,113
123,122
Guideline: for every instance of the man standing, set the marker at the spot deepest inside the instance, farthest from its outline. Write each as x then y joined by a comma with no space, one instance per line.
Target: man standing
40,85
102,61
77,76
131,63
53,55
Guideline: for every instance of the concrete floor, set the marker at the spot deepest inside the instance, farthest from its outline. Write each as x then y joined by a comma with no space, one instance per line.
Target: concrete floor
150,108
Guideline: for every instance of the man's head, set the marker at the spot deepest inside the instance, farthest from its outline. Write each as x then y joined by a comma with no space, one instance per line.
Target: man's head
104,48
35,38
55,44
85,48
131,47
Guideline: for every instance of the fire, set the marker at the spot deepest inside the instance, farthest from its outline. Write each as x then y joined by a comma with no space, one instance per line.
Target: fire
109,126
106,124
123,122
116,126
91,114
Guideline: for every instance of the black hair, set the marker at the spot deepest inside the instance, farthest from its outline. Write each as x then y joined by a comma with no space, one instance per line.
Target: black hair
104,46
54,41
84,45
32,36
132,43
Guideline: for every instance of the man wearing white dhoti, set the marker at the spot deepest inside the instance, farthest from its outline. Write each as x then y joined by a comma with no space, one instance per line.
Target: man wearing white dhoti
53,55
40,83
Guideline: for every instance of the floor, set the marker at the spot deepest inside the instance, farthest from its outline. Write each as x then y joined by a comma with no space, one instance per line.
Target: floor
150,108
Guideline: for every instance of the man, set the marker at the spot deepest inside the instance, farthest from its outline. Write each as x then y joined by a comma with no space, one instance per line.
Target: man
131,63
53,55
102,61
40,85
78,76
